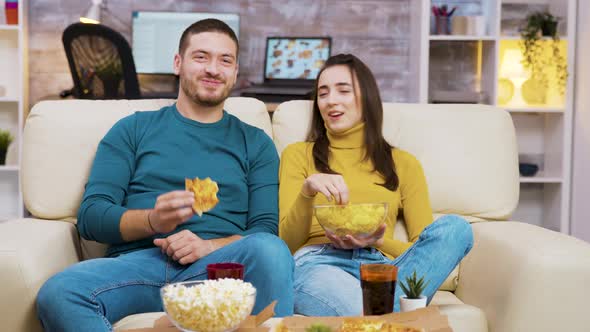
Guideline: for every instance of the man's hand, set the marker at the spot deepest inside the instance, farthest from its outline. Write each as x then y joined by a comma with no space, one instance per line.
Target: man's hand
171,209
331,185
351,242
185,247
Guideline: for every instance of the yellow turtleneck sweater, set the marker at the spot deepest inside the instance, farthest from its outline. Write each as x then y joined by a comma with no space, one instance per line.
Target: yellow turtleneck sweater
298,226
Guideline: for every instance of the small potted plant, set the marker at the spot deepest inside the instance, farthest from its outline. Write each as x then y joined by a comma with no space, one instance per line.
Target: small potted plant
5,140
540,62
413,289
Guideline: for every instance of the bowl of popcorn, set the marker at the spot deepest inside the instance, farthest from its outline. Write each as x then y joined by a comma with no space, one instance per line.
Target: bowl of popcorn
358,220
219,305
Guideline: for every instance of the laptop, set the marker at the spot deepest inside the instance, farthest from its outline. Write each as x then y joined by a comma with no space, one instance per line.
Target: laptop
291,65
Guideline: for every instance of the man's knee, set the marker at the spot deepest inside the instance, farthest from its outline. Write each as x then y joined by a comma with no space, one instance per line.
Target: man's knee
268,249
53,292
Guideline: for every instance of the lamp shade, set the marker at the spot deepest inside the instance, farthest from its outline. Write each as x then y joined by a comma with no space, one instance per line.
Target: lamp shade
511,64
93,14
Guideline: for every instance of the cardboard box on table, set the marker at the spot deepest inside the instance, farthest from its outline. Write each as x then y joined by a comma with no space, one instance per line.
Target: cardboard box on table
428,319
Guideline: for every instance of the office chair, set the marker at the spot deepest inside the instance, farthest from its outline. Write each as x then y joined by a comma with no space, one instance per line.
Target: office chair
101,63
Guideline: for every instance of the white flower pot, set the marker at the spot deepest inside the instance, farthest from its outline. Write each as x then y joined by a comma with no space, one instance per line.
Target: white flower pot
412,304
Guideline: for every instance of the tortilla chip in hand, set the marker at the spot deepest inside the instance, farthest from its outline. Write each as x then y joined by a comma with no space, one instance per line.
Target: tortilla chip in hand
205,194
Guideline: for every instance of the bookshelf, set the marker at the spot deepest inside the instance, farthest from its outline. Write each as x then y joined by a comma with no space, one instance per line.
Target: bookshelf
479,63
12,105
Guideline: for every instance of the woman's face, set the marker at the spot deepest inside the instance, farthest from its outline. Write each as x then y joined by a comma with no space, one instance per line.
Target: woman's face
338,99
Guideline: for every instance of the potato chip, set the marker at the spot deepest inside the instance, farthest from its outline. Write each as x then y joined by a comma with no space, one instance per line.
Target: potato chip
205,194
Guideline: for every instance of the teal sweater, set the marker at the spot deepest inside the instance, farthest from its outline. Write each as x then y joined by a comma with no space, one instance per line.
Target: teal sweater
148,154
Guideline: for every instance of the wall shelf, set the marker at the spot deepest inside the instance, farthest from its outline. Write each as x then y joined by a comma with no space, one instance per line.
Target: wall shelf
540,178
517,38
461,37
9,168
476,64
13,55
541,109
9,27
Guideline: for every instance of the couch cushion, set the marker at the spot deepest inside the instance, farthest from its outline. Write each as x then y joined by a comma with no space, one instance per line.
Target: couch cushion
462,317
60,141
137,321
468,152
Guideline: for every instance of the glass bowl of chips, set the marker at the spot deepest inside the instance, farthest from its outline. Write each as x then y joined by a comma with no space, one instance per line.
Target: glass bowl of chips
358,220
219,305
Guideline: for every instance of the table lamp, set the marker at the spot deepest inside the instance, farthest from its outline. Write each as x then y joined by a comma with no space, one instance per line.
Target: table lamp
92,16
512,71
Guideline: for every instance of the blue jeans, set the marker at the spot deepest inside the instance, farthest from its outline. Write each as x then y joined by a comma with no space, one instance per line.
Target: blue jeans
93,294
327,279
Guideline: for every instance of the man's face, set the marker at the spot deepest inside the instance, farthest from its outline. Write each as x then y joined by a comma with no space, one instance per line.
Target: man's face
208,68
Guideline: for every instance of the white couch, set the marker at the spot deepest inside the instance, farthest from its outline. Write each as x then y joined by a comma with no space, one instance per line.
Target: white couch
517,277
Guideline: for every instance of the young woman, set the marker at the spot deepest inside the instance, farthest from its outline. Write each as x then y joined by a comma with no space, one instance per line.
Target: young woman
346,159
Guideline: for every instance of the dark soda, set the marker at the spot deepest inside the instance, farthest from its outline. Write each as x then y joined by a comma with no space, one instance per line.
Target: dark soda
378,297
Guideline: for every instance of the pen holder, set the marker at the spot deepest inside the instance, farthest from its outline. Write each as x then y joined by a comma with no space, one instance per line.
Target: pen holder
442,25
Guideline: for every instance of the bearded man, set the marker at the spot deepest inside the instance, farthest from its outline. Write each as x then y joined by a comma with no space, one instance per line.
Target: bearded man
135,200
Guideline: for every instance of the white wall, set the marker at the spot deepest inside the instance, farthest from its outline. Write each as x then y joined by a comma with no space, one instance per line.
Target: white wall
580,214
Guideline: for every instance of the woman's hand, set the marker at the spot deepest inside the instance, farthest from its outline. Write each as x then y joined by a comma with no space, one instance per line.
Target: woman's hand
351,242
331,185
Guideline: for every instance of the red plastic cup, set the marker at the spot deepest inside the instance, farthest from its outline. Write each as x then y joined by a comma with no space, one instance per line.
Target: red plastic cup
225,270
11,10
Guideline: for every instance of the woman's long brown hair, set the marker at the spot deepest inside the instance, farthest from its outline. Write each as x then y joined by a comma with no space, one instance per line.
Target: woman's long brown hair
376,147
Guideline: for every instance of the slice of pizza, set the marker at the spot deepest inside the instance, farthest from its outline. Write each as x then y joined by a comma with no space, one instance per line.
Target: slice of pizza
361,325
371,325
205,194
393,327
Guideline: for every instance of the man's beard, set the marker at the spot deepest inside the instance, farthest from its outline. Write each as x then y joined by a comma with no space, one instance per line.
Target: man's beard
191,90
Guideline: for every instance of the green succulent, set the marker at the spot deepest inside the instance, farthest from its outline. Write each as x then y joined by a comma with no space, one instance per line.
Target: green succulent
5,139
414,287
318,327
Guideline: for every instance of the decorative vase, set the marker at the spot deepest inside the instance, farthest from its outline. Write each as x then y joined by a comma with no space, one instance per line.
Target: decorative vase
412,304
505,91
527,169
534,92
549,29
442,25
3,156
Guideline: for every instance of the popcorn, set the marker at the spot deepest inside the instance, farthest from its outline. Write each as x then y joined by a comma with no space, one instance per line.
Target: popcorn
210,305
354,219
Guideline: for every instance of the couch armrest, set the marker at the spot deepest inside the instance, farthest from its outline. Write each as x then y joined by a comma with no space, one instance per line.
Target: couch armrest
527,278
31,251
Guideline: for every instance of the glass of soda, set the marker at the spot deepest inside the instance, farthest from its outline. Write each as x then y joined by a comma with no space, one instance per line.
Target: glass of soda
378,285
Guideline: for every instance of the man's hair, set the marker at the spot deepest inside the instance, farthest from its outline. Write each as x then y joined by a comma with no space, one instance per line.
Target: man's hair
377,149
206,25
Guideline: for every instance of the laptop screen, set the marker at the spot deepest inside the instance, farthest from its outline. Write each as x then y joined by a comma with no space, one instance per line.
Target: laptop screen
295,59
